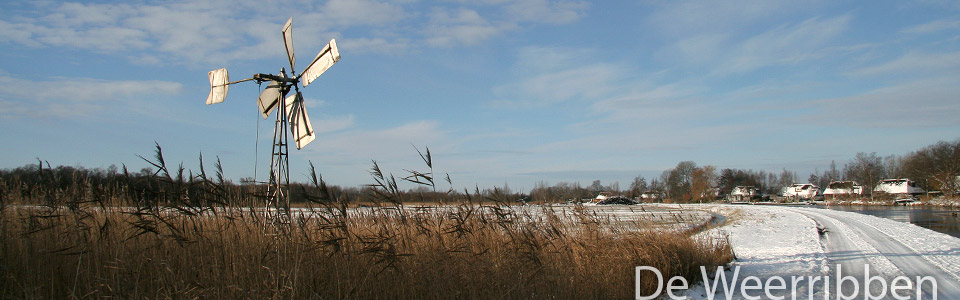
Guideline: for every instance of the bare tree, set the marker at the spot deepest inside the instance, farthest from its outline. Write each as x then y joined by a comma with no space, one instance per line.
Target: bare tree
638,186
893,165
787,178
614,187
702,183
935,167
832,174
657,187
596,187
866,169
816,179
678,181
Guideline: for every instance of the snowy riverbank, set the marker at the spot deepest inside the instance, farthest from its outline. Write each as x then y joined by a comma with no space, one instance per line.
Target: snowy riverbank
808,243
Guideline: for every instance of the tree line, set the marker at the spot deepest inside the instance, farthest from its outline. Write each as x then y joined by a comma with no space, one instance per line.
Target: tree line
934,168
164,185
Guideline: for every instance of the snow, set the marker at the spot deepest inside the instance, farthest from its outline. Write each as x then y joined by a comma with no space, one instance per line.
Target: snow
768,241
939,249
772,241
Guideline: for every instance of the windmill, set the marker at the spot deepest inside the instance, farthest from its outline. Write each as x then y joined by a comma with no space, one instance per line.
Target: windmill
294,112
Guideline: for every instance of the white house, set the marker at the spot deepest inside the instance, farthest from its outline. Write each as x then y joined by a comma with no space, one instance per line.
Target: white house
651,196
603,196
801,191
843,188
899,186
742,193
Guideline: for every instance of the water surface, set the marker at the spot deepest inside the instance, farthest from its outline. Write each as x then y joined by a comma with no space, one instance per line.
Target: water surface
940,219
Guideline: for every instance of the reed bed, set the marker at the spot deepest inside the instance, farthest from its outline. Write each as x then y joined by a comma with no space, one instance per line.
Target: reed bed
473,247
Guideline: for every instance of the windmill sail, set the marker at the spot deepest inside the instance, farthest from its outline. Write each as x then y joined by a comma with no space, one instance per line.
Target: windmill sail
269,97
288,42
324,60
218,85
300,125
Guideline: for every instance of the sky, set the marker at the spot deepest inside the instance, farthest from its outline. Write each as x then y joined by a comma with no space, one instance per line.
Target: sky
502,92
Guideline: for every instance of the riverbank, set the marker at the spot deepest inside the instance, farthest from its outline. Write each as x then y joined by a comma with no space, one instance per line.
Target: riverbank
922,201
771,241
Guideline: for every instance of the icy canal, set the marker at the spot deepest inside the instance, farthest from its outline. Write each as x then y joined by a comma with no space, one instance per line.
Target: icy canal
941,219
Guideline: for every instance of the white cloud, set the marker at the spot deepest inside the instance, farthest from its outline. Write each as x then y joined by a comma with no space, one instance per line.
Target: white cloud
180,29
217,32
700,49
374,45
692,18
534,59
544,11
382,143
556,75
457,26
461,26
80,15
348,153
322,126
915,63
922,103
785,45
661,102
18,33
69,97
95,27
361,12
933,26
732,38
586,82
196,32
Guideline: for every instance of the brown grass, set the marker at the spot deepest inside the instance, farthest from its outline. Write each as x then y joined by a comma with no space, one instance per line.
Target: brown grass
75,248
460,252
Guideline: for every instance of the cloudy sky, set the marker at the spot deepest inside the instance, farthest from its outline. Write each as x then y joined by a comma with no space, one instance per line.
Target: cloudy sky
501,91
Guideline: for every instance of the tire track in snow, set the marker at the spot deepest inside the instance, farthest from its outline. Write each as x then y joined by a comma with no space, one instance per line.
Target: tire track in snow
852,243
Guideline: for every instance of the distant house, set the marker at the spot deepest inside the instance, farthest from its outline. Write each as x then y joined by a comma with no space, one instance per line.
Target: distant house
603,196
650,196
611,198
712,194
842,188
743,193
899,186
800,191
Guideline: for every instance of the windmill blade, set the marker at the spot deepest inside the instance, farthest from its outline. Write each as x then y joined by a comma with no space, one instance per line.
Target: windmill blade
288,42
300,125
269,97
324,60
219,83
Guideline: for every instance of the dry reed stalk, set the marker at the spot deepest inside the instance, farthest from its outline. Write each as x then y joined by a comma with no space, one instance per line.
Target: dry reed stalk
187,238
460,252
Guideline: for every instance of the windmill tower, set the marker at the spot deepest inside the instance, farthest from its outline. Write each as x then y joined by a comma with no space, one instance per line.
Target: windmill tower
291,110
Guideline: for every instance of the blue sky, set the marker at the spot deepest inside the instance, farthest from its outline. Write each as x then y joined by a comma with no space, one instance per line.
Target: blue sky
501,91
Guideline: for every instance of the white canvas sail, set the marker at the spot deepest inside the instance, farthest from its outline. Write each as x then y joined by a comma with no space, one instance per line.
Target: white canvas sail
218,85
324,60
288,41
269,98
300,127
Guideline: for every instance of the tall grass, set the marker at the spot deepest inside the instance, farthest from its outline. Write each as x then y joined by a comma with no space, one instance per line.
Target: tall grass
179,245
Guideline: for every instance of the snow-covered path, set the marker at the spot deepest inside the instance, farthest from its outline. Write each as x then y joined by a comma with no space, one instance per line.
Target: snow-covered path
890,248
790,242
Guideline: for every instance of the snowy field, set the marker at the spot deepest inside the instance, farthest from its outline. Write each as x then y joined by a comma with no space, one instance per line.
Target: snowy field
804,246
626,217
